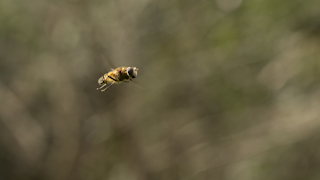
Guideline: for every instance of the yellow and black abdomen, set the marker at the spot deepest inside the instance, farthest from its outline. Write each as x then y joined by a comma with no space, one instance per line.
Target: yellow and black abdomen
101,80
110,77
117,75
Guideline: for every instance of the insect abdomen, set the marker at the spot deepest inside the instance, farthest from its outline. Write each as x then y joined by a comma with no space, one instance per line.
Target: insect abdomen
111,77
101,80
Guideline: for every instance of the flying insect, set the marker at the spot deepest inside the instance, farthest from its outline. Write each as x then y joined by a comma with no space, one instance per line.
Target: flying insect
118,75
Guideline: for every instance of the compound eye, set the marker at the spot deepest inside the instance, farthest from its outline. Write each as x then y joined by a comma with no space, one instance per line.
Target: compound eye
130,72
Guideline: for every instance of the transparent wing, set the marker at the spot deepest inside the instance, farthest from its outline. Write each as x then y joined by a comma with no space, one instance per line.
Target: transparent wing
108,62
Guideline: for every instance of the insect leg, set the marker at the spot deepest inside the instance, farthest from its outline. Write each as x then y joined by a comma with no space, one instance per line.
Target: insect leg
101,86
107,87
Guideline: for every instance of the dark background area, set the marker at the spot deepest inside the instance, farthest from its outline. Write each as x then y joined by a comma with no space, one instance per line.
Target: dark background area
227,90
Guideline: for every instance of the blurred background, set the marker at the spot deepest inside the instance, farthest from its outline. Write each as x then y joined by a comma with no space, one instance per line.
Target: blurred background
227,89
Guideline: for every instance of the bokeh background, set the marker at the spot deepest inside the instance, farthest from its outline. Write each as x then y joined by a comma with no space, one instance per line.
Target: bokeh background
227,89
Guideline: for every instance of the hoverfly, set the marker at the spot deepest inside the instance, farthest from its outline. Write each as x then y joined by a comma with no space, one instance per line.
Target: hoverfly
118,75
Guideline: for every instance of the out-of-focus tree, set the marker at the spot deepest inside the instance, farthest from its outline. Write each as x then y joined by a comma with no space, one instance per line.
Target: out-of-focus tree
227,89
